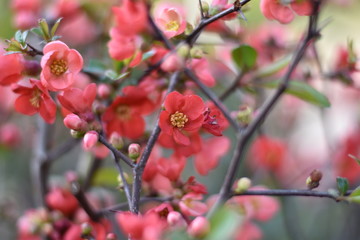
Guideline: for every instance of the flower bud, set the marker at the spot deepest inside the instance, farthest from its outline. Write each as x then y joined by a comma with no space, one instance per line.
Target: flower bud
134,151
313,181
243,184
86,229
199,227
175,219
74,122
9,135
205,6
244,116
196,52
103,91
71,176
183,51
90,139
120,181
116,140
76,134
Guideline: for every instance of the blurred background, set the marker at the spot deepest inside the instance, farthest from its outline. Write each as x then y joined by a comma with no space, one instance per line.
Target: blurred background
315,137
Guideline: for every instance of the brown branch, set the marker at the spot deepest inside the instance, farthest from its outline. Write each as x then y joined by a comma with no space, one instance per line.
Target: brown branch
246,135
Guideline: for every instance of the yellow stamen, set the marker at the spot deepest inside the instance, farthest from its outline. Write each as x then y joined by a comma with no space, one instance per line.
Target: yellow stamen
172,26
58,67
178,119
123,112
35,100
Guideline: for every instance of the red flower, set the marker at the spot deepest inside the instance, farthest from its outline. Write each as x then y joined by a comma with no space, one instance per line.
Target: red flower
182,115
267,153
214,120
79,101
35,98
62,200
11,67
59,66
125,114
213,150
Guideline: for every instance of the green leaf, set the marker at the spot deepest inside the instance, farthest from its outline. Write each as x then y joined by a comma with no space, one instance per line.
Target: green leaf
244,57
44,29
300,90
355,158
354,196
106,177
148,55
342,185
115,76
273,68
223,224
18,35
55,26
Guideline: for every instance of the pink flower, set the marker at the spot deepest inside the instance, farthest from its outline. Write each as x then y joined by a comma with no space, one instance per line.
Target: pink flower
199,227
202,70
171,167
121,46
140,227
213,150
131,17
248,231
9,135
171,22
276,10
191,206
59,66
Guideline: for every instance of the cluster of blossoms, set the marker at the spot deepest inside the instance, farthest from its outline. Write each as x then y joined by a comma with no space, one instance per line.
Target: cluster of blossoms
114,105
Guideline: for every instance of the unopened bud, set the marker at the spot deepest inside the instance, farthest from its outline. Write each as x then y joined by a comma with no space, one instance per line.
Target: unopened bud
199,227
244,116
111,236
86,229
103,91
74,122
98,107
175,219
134,151
116,140
120,180
196,52
90,139
313,181
205,6
243,184
76,134
183,51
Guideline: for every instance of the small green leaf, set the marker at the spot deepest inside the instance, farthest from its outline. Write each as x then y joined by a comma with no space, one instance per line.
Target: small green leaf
354,196
300,90
18,35
54,38
273,68
223,224
106,177
244,57
55,26
342,185
148,55
44,29
115,76
355,158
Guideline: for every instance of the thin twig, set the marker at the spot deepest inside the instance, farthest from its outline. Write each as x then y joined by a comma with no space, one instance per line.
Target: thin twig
84,203
116,152
233,87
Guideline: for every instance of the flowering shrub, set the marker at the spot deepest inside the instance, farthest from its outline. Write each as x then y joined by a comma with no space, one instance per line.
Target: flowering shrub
152,99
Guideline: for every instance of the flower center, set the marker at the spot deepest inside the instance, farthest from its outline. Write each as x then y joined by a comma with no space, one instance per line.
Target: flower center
123,112
178,119
35,99
58,67
172,26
